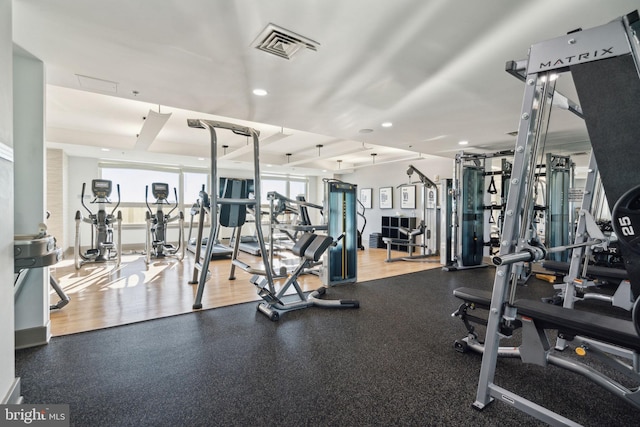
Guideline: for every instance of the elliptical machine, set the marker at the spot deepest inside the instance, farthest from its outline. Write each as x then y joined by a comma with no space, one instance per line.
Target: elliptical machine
103,248
156,237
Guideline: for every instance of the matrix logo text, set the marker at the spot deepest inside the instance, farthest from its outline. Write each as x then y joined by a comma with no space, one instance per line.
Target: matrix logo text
574,59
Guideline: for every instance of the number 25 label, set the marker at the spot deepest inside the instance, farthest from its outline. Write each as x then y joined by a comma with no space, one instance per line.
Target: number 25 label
625,226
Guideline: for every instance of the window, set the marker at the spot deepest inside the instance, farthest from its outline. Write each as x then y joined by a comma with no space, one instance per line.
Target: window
193,184
278,185
133,183
133,180
297,188
288,187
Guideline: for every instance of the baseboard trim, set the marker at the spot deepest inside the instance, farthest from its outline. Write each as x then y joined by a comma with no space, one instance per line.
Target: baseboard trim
32,337
13,396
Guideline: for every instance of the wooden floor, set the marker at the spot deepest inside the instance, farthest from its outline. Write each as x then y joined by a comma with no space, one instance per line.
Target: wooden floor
103,295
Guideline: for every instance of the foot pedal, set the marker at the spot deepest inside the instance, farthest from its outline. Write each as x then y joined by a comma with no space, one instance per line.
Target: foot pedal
261,283
268,297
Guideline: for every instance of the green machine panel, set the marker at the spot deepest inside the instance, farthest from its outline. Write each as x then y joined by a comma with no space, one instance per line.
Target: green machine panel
472,209
557,229
340,263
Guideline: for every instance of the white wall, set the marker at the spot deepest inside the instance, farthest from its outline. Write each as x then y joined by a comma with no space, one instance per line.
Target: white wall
79,170
9,384
32,303
56,192
393,175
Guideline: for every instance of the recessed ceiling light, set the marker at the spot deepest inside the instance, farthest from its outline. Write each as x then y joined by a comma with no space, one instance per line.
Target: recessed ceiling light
387,124
105,149
463,142
260,92
200,158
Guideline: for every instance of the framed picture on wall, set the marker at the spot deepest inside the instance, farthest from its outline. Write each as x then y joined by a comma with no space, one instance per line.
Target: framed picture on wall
386,197
408,197
366,197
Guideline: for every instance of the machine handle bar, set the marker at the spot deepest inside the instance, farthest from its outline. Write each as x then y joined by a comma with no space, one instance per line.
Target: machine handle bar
117,204
146,199
175,193
84,184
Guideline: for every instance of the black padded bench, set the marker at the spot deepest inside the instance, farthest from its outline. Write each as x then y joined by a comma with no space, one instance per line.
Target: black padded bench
476,296
577,322
568,321
592,270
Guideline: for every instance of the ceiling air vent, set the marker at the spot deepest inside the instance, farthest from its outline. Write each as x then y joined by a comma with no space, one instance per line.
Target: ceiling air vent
100,85
283,43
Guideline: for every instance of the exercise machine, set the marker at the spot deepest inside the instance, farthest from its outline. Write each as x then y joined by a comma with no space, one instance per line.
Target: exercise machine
248,243
465,206
290,218
477,215
202,208
604,63
427,230
156,244
310,248
103,248
234,207
340,262
234,215
361,214
591,266
558,230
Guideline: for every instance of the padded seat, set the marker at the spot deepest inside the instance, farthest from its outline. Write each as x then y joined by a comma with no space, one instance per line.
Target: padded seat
592,270
303,243
319,245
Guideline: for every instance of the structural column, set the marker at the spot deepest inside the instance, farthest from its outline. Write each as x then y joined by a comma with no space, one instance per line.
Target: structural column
32,302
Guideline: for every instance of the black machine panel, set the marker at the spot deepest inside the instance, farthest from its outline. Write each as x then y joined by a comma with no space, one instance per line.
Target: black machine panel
609,92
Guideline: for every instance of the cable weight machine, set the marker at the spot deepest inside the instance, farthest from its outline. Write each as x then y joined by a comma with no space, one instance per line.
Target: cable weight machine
466,226
340,263
476,216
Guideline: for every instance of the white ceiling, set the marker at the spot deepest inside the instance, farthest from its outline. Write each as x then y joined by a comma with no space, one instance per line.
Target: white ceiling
434,68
